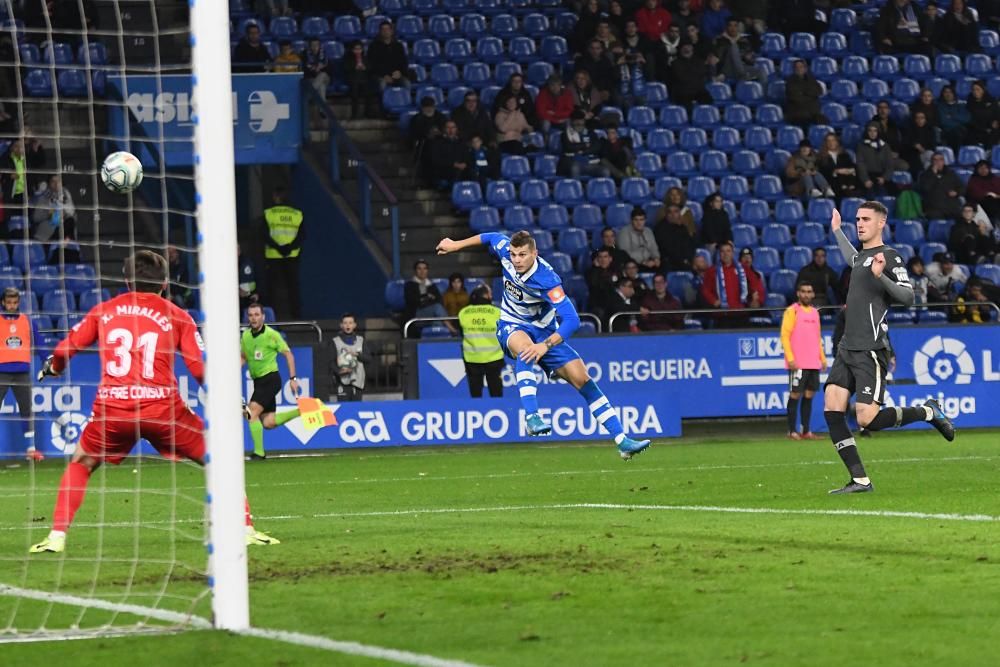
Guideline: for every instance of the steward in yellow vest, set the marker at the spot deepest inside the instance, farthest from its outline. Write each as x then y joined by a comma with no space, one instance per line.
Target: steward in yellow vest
15,365
282,245
480,347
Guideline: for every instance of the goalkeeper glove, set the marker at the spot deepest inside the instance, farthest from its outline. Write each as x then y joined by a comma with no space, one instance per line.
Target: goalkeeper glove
47,370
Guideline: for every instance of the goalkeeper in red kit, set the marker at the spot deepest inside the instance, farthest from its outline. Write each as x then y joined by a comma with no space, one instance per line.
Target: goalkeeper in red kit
137,333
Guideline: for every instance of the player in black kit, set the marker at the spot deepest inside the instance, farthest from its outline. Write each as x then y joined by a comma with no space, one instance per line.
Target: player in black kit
878,277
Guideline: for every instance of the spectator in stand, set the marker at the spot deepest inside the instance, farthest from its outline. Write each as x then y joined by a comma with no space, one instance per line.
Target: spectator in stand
802,93
388,64
616,17
272,8
455,298
928,105
601,281
606,36
939,189
678,197
989,13
736,56
688,76
663,53
971,241
875,162
837,167
983,189
953,118
598,64
580,150
802,177
675,243
716,227
946,276
746,261
449,158
616,152
634,49
659,299
902,28
957,31
19,173
638,241
358,78
586,26
484,162
250,54
287,61
692,294
728,287
351,357
472,119
887,127
425,127
984,116
316,67
511,126
53,213
753,14
248,279
622,300
587,98
631,271
714,19
703,46
652,20
609,241
798,16
918,144
684,15
422,297
525,103
554,105
924,291
179,290
823,279
974,306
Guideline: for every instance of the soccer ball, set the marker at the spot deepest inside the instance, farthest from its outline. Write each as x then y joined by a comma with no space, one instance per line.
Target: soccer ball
121,172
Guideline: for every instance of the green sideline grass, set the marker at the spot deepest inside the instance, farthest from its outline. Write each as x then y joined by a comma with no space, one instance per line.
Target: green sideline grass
521,582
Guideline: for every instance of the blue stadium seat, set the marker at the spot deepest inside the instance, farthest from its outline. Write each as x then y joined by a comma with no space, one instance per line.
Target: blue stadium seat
484,219
534,193
970,155
758,138
770,116
704,115
746,163
80,277
885,67
917,66
285,27
424,7
681,284
568,192
744,236
778,302
45,279
522,50
750,93
649,164
849,208
692,140
58,53
938,231
910,232
318,27
782,281
713,163
843,20
435,331
796,257
641,118
490,50
905,90
789,137
546,167
825,68
662,185
726,139
588,216
347,28
929,250
544,242
734,188
58,301
768,187
573,241
737,115
27,256
766,260
775,160
989,41
518,217
789,212
38,83
618,214
802,44
978,65
500,194
661,141
534,24
503,26
860,41
681,163
835,112
602,191
702,252
810,234
700,187
947,65
755,212
426,51
458,50
561,262
553,217
990,272
538,73
656,95
844,91
10,276
515,168
875,89
397,99
476,75
817,133
820,210
776,235
72,83
776,91
466,195
773,45
554,49
444,75
720,93
905,251
636,191
833,44
673,116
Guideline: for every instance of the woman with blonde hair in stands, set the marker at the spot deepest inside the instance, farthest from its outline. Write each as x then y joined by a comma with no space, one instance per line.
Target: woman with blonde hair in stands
678,198
837,167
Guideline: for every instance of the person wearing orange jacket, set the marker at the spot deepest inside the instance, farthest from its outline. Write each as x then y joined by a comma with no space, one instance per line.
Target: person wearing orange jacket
15,364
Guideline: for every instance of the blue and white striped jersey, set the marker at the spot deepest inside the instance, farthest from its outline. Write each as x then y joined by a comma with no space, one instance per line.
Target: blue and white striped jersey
533,298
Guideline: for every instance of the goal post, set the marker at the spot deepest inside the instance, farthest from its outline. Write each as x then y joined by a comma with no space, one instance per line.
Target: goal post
215,199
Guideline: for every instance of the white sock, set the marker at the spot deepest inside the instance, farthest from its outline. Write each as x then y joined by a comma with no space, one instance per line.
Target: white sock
56,533
928,412
619,438
862,480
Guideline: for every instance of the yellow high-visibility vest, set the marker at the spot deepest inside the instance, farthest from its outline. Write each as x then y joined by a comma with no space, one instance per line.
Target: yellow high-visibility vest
479,334
283,224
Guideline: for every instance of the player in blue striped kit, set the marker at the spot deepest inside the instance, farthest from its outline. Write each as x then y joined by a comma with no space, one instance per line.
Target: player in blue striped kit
536,320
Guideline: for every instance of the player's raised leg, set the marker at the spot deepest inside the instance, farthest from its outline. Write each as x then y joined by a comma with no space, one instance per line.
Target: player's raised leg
874,417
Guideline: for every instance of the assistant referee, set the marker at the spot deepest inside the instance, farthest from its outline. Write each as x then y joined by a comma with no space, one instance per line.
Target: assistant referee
260,346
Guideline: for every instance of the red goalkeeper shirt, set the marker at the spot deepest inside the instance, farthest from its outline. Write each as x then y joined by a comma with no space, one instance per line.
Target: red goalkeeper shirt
138,334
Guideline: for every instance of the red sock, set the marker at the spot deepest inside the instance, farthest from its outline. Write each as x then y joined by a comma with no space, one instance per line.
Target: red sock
72,488
246,511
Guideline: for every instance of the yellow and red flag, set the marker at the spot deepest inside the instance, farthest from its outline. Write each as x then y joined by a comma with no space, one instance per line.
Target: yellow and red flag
314,414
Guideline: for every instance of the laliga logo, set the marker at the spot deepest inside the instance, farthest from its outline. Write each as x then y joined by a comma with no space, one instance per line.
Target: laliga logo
66,431
943,360
265,111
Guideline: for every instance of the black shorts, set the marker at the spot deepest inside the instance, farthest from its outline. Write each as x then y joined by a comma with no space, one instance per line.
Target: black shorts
862,373
804,379
265,391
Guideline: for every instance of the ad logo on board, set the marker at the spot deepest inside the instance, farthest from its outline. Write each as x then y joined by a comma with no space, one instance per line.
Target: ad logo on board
943,359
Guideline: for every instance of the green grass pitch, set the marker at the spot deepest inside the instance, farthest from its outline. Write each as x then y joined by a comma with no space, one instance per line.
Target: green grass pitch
702,551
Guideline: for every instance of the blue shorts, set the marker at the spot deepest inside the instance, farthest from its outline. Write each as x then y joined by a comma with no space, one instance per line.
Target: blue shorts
554,359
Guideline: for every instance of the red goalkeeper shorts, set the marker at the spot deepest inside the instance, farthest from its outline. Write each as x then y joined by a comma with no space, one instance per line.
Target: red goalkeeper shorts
169,426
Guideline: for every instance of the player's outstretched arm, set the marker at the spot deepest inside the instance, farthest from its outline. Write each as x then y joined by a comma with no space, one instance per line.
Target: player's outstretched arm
448,245
846,248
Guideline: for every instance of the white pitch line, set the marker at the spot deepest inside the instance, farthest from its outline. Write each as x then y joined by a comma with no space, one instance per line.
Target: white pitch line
298,638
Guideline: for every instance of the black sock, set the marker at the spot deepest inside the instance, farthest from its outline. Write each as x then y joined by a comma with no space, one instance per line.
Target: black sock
842,439
896,417
807,406
793,408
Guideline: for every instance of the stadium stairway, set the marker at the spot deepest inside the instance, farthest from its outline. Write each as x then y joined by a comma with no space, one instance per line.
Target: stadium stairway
425,215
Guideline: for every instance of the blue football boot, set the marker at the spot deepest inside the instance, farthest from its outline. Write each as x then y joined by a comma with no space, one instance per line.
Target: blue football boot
629,447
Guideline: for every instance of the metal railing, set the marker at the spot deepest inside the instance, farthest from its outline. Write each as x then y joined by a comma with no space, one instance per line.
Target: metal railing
734,314
374,199
418,320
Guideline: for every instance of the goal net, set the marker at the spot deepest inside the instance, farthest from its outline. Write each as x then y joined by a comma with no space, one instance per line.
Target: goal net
153,547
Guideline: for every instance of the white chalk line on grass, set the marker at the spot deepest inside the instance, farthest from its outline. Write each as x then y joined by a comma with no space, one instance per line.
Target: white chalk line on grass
199,623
